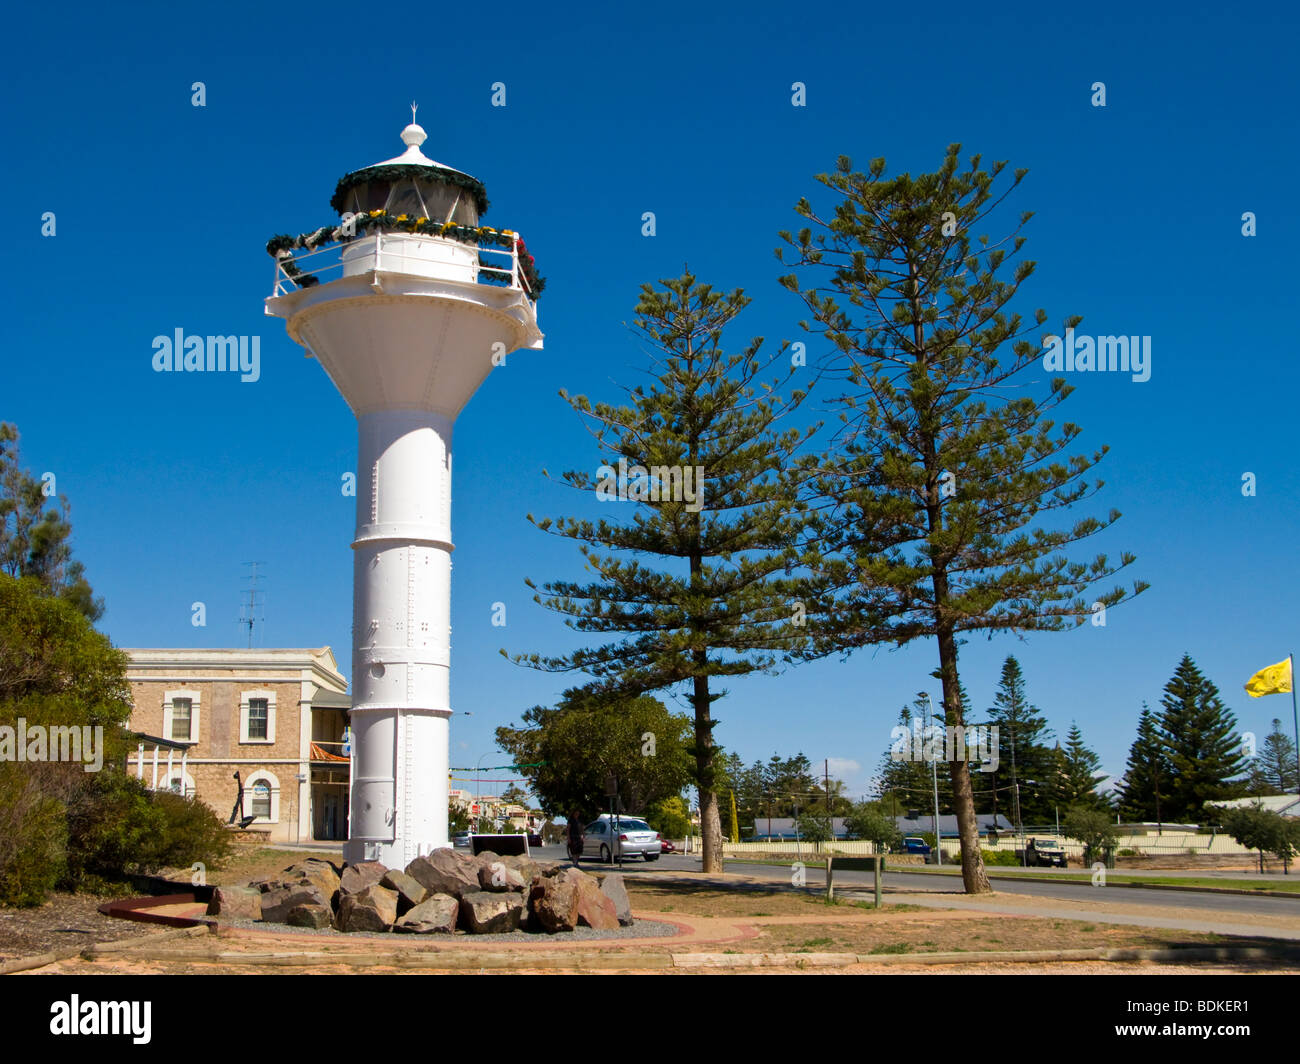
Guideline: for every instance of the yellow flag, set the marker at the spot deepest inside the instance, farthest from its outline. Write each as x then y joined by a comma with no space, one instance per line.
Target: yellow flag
1274,680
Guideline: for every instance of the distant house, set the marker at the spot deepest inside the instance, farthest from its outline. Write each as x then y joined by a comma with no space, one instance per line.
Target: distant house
1286,804
782,829
922,823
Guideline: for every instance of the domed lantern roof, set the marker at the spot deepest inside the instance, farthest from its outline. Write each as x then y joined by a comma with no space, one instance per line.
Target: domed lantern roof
414,185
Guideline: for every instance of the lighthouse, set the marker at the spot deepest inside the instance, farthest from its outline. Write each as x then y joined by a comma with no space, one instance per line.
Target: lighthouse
408,302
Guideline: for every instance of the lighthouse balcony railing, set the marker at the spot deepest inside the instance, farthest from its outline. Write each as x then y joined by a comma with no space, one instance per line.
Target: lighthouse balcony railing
393,253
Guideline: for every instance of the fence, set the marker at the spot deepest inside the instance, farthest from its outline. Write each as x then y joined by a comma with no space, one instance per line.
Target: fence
1169,844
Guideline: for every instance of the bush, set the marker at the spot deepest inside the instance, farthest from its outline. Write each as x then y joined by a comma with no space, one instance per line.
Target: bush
998,858
118,827
33,831
191,832
670,817
867,820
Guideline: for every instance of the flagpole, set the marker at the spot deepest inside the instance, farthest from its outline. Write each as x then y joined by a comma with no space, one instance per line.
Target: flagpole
1295,721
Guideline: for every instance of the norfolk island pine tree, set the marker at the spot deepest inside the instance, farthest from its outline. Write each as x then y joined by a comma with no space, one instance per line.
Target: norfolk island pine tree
712,590
940,472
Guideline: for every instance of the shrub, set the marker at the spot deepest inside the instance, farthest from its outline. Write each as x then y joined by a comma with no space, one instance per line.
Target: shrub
1000,857
32,835
118,827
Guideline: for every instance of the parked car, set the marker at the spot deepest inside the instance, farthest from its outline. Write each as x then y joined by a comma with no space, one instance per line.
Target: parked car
625,836
915,844
461,838
1042,853
667,847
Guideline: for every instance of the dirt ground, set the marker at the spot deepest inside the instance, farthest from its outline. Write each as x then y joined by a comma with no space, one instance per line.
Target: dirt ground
737,917
65,921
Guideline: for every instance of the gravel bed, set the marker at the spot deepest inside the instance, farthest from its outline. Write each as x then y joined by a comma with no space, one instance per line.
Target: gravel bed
639,929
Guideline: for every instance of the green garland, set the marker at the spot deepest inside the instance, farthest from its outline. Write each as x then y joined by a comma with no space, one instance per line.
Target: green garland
282,244
399,171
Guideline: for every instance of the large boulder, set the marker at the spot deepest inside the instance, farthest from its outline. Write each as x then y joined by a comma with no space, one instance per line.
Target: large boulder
357,877
278,903
485,913
236,903
319,873
372,908
435,915
525,866
615,890
410,892
552,904
446,871
316,916
594,909
498,876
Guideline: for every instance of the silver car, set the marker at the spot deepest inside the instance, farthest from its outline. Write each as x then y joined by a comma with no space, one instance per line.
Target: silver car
625,837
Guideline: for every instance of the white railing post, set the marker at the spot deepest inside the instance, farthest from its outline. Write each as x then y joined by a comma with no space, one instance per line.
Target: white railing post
514,261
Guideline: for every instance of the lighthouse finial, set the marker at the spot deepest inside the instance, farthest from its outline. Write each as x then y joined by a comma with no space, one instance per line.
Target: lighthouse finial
414,108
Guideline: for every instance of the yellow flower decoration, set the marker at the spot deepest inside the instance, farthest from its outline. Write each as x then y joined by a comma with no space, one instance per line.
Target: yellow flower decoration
401,217
375,214
421,220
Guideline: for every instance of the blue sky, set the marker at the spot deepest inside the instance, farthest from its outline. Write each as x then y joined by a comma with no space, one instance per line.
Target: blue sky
163,209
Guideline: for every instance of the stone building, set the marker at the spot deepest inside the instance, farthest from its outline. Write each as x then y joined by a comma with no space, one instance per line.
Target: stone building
277,717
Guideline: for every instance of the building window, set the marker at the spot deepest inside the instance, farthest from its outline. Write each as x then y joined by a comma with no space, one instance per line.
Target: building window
262,796
261,799
257,718
182,718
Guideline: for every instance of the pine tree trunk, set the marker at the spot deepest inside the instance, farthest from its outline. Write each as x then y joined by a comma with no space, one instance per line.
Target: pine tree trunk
963,800
710,820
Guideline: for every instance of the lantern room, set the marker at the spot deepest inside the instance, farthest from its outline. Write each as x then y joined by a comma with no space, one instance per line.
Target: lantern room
414,185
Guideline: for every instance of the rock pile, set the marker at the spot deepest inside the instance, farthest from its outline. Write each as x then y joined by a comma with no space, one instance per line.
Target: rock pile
440,893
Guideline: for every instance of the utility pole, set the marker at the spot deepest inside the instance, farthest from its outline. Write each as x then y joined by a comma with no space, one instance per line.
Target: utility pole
934,774
826,775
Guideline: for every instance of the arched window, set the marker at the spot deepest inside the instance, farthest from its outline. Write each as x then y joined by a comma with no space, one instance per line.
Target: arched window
261,799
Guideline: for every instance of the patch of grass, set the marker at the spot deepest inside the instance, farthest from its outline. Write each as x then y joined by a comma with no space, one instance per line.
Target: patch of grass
892,947
903,907
809,943
760,914
1085,927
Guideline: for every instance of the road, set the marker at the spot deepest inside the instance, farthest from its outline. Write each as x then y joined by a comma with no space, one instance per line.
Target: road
1230,914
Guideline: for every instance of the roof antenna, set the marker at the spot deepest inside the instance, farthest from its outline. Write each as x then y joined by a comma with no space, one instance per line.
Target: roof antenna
414,108
248,611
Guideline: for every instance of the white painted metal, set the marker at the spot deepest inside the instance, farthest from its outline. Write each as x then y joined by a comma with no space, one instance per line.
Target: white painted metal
407,336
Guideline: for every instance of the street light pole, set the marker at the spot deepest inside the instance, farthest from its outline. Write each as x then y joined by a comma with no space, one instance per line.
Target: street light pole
934,773
478,784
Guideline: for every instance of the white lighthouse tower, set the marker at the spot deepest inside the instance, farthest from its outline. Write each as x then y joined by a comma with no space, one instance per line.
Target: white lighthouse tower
407,304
